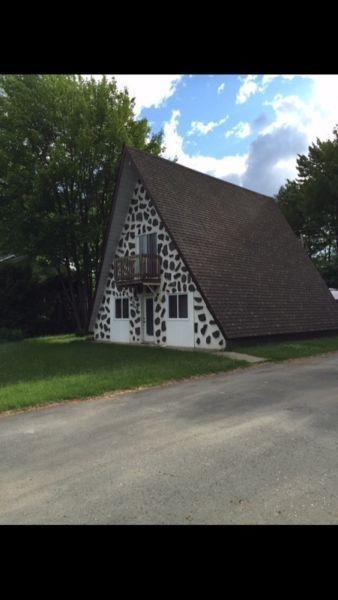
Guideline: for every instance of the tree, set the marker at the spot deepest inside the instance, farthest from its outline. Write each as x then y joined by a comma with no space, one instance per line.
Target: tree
310,204
31,299
61,139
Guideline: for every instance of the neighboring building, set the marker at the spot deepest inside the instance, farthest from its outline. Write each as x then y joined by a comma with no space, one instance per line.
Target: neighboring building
194,261
334,293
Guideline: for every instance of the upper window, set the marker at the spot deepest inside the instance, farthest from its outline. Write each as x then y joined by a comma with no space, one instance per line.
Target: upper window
121,308
148,243
178,306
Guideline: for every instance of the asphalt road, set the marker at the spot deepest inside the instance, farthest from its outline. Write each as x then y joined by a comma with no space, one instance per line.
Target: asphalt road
255,446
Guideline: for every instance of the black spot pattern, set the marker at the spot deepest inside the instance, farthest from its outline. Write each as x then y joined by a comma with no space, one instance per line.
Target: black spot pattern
142,217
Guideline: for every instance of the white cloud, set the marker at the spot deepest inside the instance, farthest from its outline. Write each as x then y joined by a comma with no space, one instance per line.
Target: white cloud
251,86
296,124
272,155
247,89
316,116
220,88
266,79
272,158
148,90
229,167
241,130
204,128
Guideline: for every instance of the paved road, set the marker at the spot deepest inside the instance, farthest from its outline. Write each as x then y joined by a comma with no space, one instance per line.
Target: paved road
257,446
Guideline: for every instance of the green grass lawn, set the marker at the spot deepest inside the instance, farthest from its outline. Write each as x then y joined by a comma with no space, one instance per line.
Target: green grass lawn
293,349
51,369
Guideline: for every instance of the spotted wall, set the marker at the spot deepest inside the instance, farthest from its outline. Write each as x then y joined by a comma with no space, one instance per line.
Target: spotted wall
143,218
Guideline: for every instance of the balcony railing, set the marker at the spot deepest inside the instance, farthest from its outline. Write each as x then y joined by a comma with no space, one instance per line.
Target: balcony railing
131,270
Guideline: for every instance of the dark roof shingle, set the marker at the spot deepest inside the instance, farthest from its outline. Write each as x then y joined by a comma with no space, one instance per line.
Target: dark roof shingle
246,260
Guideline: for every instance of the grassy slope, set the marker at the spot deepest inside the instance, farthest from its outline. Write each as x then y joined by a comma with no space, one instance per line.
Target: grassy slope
50,369
293,349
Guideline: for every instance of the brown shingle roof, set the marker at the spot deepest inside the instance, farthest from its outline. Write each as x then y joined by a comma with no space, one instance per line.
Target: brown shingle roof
246,260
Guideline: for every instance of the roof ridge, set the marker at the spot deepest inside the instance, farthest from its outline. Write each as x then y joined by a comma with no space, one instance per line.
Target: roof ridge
229,183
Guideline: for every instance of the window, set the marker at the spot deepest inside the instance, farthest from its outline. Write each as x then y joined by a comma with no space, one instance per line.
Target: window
183,306
118,308
178,306
125,310
148,243
121,308
172,307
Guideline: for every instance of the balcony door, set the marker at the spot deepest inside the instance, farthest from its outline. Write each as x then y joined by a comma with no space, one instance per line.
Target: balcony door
148,244
148,319
148,254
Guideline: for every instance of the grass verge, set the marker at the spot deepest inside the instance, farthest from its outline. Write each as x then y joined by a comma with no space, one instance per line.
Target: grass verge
52,369
292,349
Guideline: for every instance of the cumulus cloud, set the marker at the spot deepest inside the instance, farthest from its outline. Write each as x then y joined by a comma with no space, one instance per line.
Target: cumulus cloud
232,165
247,89
260,122
251,85
241,130
271,156
220,88
204,128
272,159
148,90
296,124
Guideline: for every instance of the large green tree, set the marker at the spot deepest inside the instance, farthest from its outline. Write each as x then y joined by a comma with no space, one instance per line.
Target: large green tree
61,139
310,204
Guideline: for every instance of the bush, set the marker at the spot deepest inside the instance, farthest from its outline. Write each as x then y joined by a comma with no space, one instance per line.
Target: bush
10,335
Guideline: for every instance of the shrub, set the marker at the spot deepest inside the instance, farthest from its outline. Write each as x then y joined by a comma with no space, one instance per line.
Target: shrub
10,335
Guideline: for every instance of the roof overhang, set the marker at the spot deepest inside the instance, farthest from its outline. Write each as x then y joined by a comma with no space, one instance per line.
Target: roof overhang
126,181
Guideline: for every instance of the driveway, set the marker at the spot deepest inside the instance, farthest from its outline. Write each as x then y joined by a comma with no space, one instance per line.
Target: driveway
254,446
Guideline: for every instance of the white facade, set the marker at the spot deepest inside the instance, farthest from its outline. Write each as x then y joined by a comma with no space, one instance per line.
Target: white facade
149,319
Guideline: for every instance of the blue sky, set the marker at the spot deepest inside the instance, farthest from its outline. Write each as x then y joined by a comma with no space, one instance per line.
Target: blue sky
247,129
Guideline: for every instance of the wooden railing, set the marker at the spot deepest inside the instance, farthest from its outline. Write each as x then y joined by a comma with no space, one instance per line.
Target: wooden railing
131,270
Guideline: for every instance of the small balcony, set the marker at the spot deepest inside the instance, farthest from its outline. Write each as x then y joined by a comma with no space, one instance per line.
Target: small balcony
133,270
